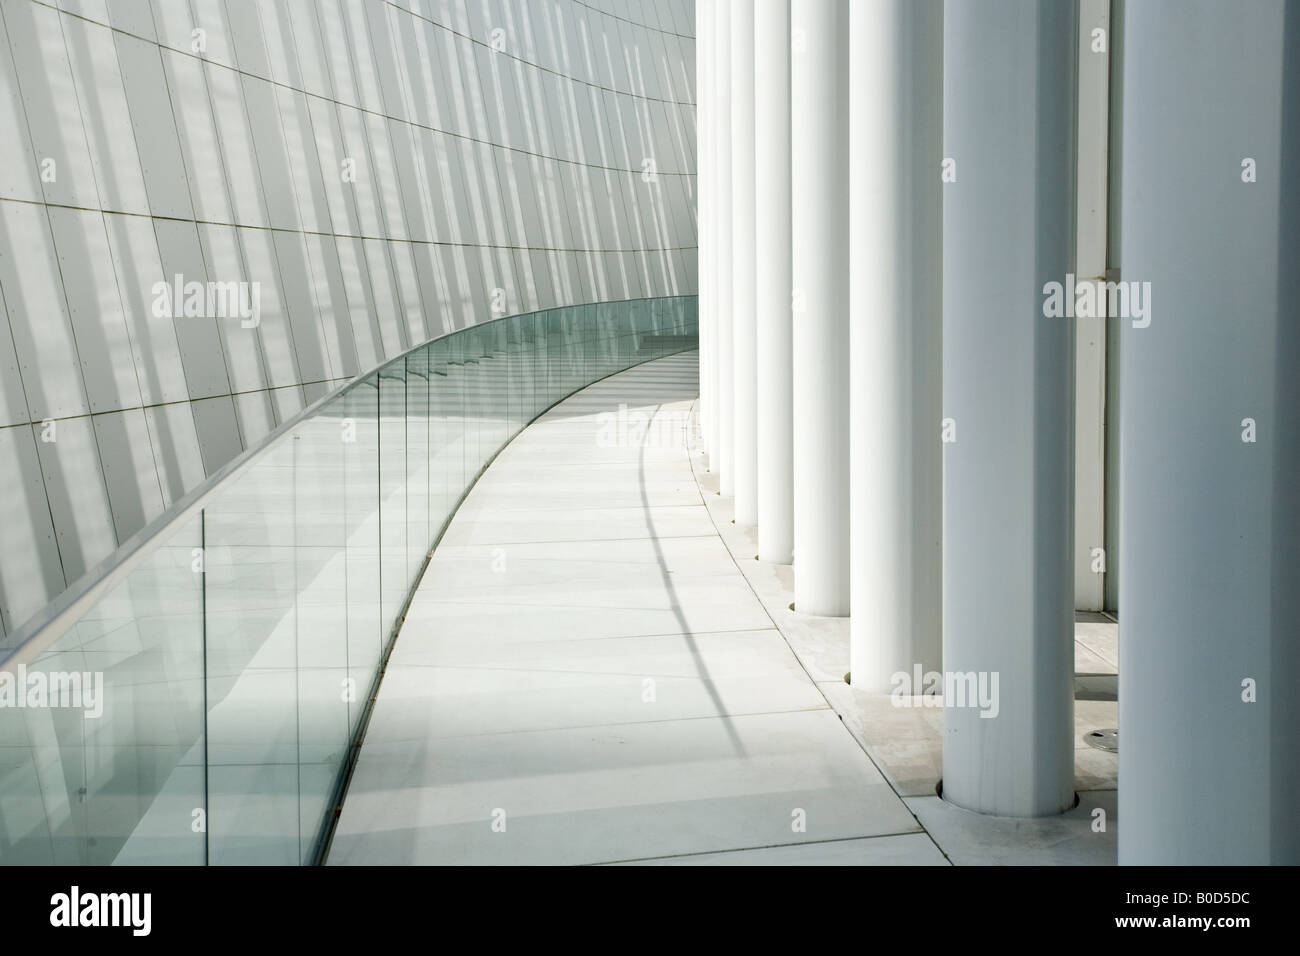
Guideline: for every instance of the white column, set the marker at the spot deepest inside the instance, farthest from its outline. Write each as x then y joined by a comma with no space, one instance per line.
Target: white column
819,80
1008,391
721,460
704,134
896,332
1090,544
775,424
745,410
1209,456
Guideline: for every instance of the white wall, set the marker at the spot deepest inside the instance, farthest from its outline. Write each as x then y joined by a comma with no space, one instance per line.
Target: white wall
499,144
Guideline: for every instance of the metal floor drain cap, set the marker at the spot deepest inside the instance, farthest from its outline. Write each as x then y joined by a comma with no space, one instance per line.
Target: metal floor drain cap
1106,739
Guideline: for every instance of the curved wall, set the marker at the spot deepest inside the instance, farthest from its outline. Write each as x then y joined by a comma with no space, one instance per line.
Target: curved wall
373,173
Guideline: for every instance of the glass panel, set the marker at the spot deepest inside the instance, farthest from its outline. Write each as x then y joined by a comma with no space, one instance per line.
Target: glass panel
101,734
441,479
251,615
361,525
492,378
553,370
467,368
321,584
527,364
417,463
231,667
514,377
392,493
572,354
541,386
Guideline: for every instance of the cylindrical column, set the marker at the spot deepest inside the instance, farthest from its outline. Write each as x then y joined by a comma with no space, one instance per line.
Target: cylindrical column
773,281
1008,406
721,460
819,81
745,409
895,336
704,133
1209,650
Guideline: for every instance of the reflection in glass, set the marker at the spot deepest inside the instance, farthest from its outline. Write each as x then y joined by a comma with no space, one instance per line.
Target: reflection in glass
232,658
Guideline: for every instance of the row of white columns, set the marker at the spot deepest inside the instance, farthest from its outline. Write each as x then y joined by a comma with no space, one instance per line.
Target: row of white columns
819,174
895,338
886,186
743,295
1008,385
829,308
774,428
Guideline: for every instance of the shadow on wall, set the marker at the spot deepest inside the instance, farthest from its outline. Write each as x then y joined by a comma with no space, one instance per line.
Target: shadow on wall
373,176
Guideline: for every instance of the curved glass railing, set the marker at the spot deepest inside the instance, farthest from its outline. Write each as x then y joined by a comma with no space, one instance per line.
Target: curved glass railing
198,697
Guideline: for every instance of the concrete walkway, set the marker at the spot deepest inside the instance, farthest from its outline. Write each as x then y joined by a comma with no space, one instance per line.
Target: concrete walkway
585,676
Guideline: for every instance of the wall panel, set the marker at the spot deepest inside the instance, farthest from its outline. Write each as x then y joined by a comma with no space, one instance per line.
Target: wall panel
378,169
130,473
26,585
49,98
198,339
38,317
106,117
149,100
137,265
78,500
175,442
95,309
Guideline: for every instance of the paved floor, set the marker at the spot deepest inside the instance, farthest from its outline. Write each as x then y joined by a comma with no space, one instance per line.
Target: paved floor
906,744
586,676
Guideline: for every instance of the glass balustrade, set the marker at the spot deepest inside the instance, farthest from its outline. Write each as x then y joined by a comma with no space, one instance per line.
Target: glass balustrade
196,698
